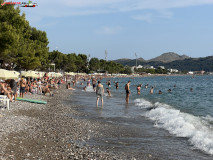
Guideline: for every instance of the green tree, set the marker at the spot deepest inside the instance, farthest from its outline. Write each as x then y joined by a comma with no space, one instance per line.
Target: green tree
57,58
81,63
127,70
94,64
21,46
70,64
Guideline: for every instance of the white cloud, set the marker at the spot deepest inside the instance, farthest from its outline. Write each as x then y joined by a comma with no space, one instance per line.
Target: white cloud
149,17
109,30
146,17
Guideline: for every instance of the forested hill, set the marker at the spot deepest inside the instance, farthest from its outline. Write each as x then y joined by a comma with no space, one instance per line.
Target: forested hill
169,57
189,64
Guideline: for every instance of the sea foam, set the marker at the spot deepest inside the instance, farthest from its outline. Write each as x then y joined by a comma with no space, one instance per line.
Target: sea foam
89,89
197,129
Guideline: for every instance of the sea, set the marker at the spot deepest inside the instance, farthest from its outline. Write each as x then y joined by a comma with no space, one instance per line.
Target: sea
172,125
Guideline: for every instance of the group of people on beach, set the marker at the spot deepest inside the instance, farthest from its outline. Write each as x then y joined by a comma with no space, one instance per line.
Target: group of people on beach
44,85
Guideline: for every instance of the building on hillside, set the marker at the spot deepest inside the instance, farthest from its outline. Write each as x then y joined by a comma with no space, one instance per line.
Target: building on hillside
173,70
149,67
190,72
161,67
199,72
136,67
140,66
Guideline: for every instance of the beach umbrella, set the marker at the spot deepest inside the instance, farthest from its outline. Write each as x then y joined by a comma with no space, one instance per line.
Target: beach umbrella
16,73
41,74
31,74
23,73
58,75
5,74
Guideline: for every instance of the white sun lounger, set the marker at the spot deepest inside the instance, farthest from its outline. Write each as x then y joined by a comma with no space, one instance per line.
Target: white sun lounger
5,101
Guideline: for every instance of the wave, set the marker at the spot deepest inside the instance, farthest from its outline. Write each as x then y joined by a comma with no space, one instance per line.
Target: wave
197,129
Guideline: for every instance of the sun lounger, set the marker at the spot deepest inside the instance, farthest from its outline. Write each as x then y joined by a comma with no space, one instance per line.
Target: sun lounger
5,101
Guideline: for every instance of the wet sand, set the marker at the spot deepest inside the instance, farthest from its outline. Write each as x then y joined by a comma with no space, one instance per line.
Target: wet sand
55,131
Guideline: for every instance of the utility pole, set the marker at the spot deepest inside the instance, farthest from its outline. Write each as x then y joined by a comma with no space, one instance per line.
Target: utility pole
88,59
105,60
136,59
106,55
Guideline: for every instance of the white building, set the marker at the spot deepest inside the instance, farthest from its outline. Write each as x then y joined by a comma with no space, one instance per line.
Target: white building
190,72
173,70
161,67
133,67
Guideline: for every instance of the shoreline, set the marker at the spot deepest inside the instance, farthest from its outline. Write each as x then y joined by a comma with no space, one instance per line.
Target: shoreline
34,131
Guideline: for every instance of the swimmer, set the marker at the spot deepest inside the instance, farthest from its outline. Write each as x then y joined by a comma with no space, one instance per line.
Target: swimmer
69,87
174,85
85,87
139,89
146,86
108,91
169,90
116,85
109,83
160,92
152,90
191,89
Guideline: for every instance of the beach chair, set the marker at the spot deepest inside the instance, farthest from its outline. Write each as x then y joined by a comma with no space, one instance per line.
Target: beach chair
5,101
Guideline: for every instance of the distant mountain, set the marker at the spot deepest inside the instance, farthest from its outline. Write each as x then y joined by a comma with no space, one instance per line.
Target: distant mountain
169,57
183,64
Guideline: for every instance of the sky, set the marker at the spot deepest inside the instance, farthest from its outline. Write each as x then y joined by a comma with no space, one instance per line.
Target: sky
125,27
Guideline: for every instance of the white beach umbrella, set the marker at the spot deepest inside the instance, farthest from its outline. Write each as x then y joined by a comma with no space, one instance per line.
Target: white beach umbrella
5,74
31,74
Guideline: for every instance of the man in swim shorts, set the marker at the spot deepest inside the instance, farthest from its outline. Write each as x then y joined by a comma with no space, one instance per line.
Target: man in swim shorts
127,88
99,93
22,87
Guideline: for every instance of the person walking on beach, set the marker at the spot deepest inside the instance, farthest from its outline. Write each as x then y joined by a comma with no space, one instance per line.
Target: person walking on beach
13,86
127,88
99,93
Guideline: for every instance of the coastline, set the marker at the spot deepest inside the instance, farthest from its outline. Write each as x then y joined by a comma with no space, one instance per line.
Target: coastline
53,131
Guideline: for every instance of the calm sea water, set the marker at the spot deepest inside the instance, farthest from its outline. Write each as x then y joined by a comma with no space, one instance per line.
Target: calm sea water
179,124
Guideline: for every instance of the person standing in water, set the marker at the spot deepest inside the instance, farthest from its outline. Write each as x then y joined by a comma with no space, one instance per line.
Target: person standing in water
151,90
108,92
127,88
116,85
99,93
94,84
139,89
109,83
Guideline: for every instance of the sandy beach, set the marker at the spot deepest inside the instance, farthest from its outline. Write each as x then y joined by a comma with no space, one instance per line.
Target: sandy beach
54,131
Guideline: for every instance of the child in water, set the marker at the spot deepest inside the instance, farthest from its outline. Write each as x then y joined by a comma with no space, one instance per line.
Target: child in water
139,89
108,91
